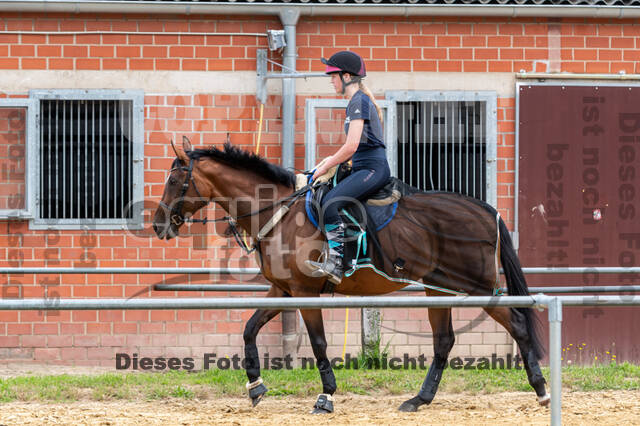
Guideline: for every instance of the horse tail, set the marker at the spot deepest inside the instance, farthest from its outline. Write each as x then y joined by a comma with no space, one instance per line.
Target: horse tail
517,286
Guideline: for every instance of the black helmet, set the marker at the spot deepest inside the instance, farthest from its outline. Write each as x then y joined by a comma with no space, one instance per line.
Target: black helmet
345,61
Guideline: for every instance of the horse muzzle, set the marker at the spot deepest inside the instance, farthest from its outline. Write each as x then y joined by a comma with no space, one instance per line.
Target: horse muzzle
166,224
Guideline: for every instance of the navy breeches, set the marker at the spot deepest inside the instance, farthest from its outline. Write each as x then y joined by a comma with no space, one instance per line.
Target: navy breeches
357,186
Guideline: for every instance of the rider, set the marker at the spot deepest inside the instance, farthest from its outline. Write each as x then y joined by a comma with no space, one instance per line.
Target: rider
364,146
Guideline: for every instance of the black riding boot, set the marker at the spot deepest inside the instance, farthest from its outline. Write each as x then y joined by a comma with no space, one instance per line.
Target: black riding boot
332,265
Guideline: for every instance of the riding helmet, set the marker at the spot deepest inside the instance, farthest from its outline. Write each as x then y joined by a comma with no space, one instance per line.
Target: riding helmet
345,61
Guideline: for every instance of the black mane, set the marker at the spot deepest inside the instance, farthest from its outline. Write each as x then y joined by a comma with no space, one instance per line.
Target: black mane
238,158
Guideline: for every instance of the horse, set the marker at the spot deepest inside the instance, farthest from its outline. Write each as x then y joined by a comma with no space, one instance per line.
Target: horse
446,238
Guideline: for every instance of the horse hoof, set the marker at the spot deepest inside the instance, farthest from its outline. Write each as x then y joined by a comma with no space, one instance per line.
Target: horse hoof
407,407
324,404
544,400
257,393
411,405
256,401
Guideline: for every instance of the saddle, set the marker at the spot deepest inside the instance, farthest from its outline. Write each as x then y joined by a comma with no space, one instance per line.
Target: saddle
362,220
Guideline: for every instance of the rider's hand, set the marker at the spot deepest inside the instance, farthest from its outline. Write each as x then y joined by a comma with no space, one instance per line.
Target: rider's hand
320,169
319,172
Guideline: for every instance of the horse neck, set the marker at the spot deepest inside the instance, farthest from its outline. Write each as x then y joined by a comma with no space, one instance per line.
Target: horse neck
240,192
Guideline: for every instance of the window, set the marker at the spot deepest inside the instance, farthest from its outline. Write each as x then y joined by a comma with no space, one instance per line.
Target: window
324,131
447,141
89,152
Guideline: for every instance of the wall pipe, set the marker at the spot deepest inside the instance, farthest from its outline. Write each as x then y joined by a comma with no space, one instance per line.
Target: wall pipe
170,270
413,287
178,33
577,76
345,9
289,18
159,270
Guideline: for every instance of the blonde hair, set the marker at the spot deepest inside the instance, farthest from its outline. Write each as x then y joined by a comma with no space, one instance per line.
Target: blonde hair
367,92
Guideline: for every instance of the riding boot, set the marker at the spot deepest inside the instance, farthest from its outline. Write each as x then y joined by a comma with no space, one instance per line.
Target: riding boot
333,254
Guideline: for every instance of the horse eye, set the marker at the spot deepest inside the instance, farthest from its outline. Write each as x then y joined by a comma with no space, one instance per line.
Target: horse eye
172,181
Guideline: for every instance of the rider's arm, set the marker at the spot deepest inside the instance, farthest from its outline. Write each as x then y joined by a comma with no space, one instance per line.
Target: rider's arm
346,151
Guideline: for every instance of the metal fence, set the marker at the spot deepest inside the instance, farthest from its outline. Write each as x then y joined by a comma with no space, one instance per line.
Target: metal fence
553,303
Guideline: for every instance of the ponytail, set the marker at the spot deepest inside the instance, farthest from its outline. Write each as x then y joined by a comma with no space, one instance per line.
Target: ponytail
367,92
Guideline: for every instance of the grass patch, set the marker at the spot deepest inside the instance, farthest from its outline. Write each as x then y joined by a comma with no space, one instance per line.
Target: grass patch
214,383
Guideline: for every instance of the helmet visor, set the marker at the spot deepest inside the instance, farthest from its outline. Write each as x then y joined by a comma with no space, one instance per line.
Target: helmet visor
331,69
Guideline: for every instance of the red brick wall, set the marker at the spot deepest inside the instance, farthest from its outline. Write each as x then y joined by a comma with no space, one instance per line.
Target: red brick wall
388,44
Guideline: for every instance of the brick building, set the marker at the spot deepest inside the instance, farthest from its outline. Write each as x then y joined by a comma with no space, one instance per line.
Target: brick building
160,70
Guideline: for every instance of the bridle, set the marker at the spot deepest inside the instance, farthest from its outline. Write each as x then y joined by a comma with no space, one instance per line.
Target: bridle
175,215
177,218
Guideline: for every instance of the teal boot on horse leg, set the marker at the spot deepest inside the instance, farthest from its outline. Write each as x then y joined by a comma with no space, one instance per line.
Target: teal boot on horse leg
333,255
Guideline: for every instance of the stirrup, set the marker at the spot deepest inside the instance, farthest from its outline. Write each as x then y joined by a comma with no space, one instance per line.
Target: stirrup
319,269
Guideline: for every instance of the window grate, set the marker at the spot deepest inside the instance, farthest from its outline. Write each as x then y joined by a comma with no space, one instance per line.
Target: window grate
86,159
442,145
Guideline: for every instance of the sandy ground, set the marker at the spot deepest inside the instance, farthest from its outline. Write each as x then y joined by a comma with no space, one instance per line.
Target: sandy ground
25,369
579,408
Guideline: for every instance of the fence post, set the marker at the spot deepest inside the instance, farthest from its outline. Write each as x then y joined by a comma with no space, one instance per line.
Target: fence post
370,324
555,362
289,336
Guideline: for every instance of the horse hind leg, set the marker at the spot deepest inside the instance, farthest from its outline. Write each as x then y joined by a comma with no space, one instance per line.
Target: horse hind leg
443,340
515,322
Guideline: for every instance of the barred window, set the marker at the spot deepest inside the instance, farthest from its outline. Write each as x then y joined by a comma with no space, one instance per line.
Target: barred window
446,142
90,159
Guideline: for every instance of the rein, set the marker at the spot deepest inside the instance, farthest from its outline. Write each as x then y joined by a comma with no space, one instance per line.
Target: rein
178,219
233,221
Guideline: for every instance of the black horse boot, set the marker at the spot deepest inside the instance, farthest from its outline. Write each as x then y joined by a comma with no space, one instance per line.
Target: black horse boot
332,265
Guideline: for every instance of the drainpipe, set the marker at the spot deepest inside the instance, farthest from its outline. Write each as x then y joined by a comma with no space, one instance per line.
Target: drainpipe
289,18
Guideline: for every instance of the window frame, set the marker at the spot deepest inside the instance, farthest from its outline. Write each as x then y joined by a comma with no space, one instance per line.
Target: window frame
30,143
310,144
137,156
491,125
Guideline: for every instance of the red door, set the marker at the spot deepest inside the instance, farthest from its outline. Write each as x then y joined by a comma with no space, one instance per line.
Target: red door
579,205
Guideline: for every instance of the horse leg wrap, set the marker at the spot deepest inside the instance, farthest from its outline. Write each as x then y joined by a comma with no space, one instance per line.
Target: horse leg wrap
329,385
256,390
252,362
323,405
431,382
536,379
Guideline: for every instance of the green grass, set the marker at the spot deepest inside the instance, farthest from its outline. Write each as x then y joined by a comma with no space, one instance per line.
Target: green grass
213,383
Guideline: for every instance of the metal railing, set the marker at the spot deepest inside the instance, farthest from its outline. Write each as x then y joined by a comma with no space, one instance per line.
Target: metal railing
553,303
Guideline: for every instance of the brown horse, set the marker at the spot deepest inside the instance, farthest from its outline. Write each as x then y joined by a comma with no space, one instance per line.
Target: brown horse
446,239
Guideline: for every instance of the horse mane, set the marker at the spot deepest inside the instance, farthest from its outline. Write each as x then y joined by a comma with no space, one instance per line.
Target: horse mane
238,158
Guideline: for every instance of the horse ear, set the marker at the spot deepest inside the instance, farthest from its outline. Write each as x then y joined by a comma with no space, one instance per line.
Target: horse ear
186,144
179,153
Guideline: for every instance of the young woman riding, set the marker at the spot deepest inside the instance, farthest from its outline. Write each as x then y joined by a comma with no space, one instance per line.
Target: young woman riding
364,146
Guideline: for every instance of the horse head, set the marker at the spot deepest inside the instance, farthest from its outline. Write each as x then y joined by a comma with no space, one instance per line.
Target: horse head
183,193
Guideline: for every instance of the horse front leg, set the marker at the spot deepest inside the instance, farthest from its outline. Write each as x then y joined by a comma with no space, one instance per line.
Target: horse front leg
255,386
315,328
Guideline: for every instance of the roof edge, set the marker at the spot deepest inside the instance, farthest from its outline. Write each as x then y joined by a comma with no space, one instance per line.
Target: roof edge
190,8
